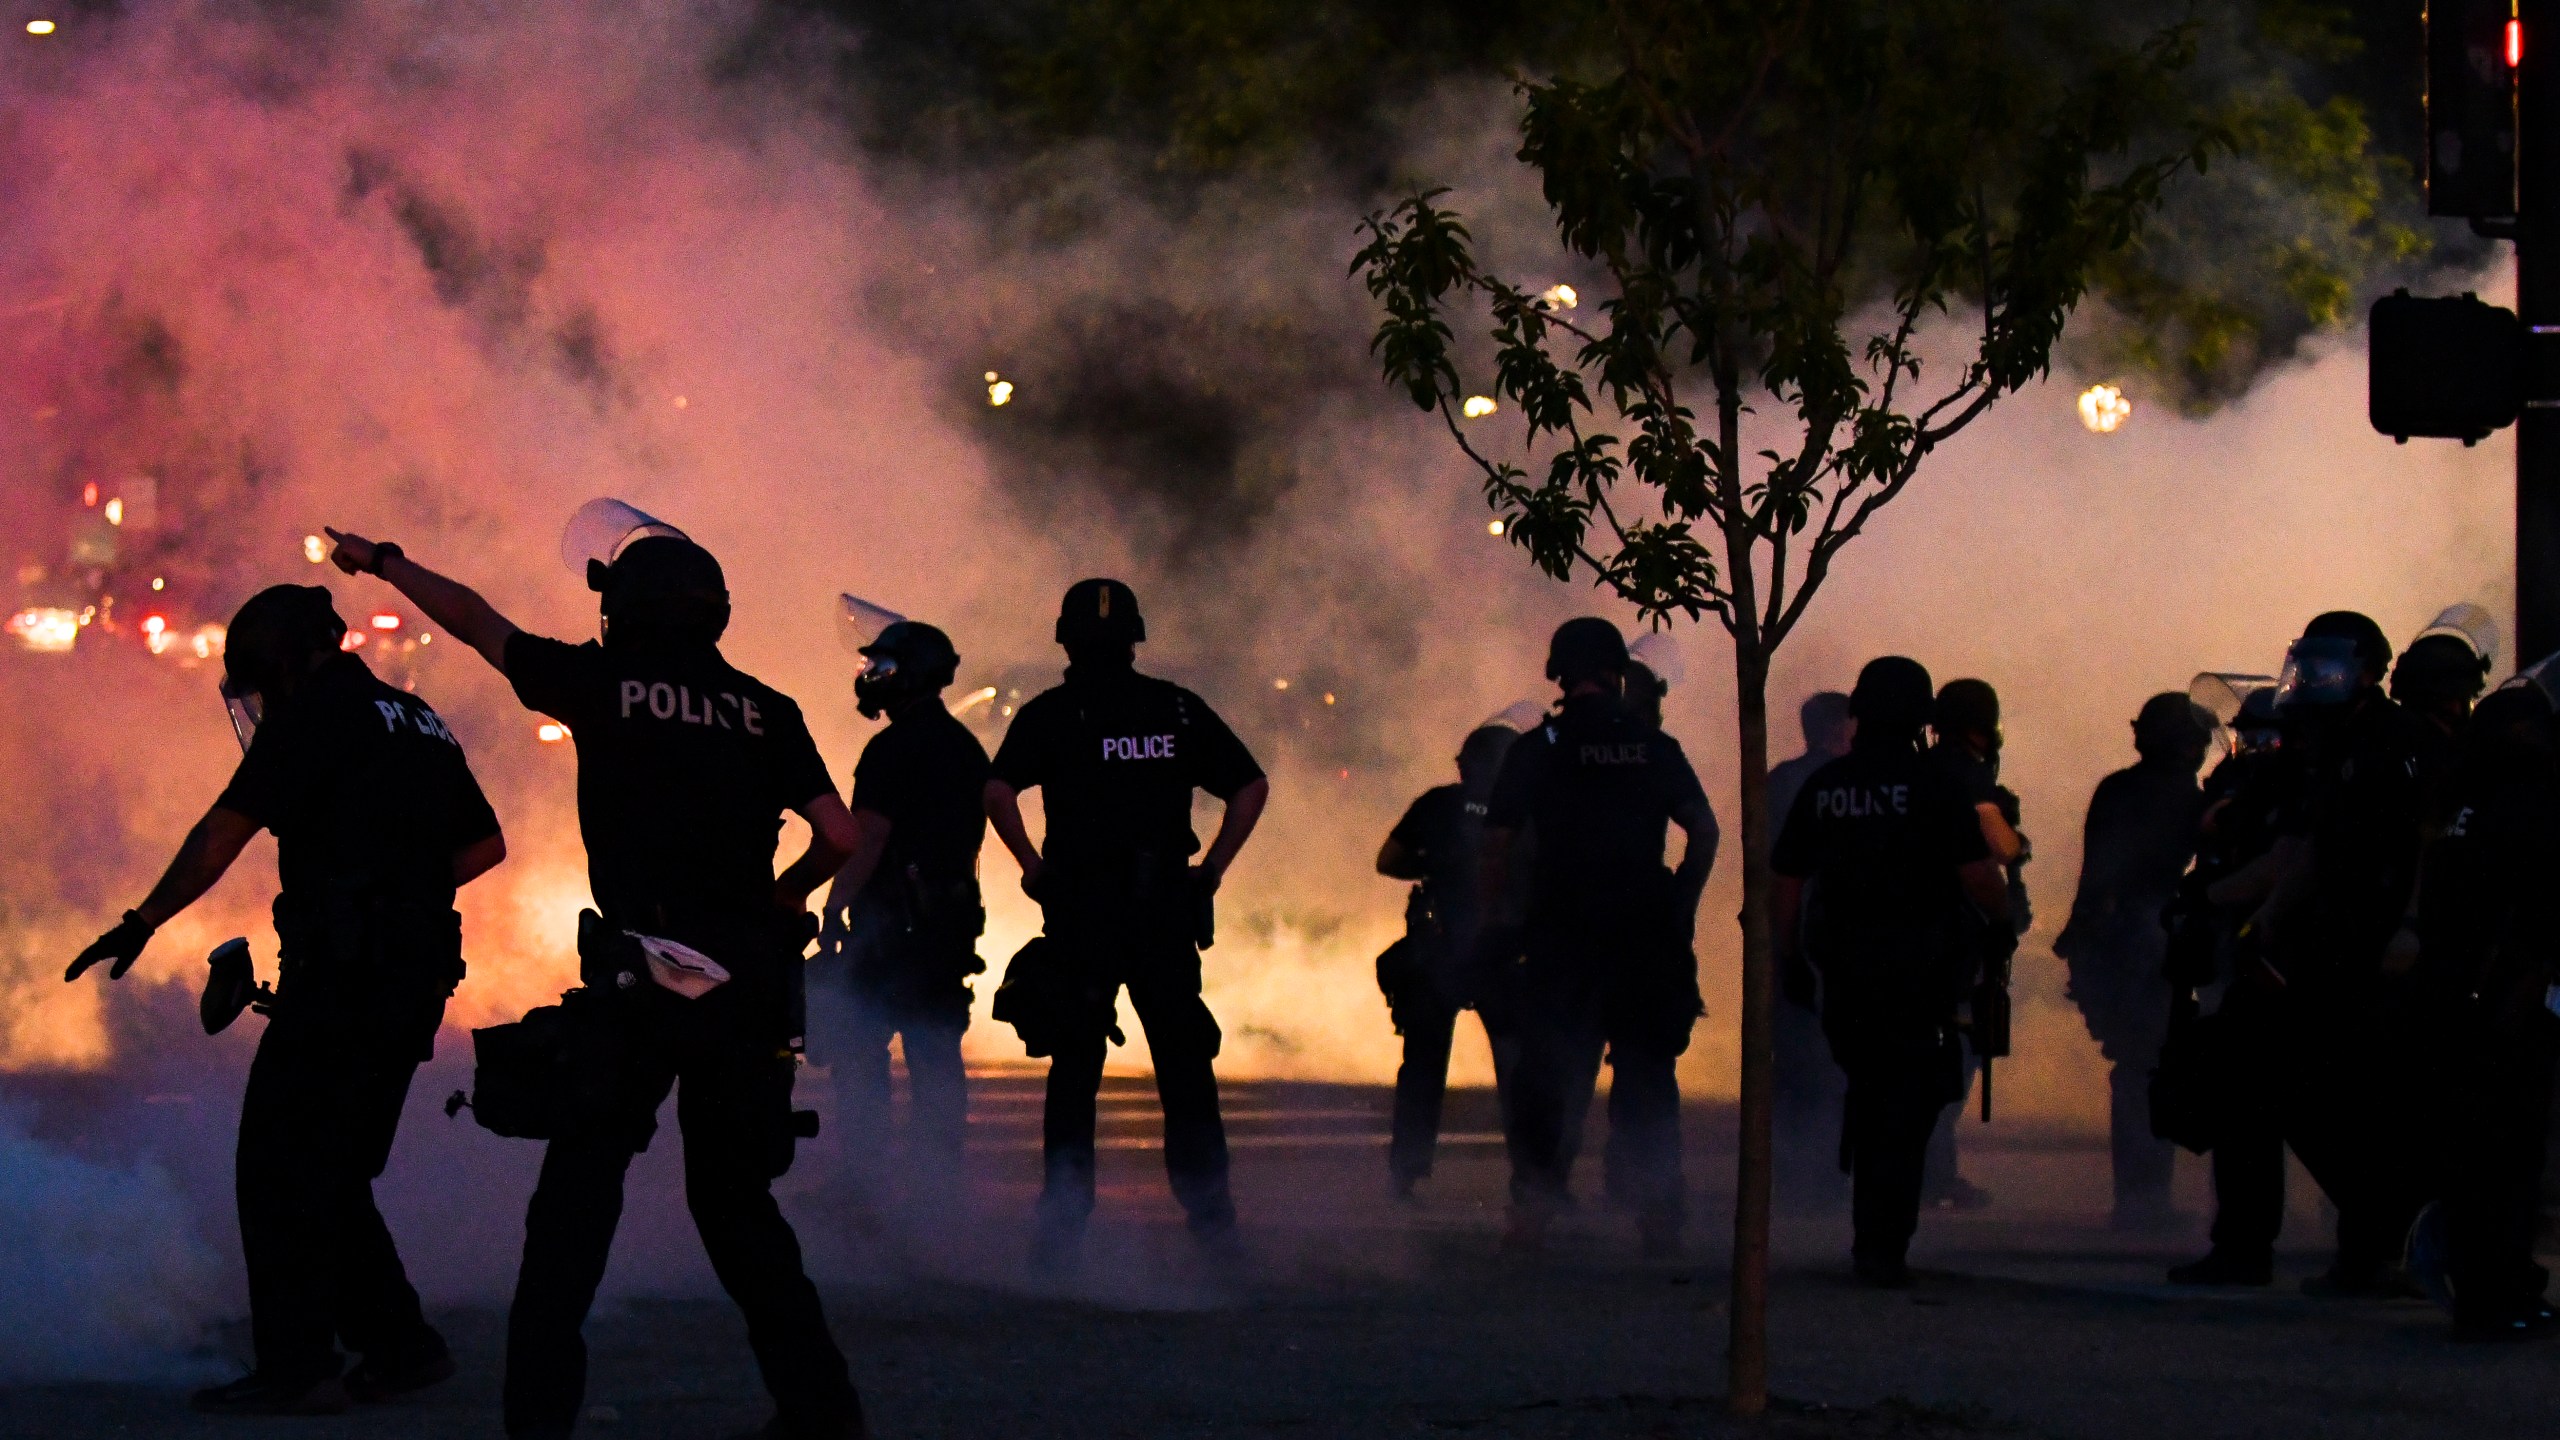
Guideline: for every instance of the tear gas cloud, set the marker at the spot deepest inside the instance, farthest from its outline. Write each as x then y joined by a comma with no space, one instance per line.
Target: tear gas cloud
443,272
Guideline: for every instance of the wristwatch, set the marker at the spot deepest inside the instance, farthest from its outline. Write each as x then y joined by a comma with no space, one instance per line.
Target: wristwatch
384,552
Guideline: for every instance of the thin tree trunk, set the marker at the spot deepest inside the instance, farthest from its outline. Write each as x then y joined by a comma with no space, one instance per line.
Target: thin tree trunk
1747,1389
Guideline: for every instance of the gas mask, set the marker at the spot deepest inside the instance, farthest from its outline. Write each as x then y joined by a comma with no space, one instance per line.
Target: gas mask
877,686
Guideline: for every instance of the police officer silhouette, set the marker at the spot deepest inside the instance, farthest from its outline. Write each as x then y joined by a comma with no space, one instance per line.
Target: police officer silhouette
1891,849
1116,756
685,768
377,822
1430,975
1607,937
904,916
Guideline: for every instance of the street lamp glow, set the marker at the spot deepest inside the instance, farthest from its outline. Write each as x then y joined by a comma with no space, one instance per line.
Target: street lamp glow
1478,407
2104,409
39,27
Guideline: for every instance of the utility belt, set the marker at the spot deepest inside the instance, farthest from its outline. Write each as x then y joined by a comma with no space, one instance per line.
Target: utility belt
940,911
1636,918
573,1069
1145,891
353,951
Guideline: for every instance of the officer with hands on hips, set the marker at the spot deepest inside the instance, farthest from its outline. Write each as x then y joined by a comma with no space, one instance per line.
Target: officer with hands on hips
1116,756
685,768
377,822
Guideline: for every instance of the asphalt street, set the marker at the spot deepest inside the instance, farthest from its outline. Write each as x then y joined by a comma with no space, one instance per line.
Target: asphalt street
1356,1316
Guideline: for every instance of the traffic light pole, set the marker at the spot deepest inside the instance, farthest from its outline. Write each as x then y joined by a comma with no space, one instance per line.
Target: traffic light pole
2538,307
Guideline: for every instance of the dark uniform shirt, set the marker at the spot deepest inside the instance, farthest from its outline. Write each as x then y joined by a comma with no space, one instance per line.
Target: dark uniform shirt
1597,788
2364,800
1443,830
1977,778
1116,756
927,776
2139,836
685,767
1881,833
363,787
2487,917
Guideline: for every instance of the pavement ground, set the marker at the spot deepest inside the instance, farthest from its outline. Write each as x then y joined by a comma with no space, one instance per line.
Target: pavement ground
1357,1316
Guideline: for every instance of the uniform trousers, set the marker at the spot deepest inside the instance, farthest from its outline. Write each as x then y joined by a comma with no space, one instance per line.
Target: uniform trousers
2496,1117
316,1125
1162,974
1904,1071
1807,1112
2248,1156
926,1010
1427,1017
2145,1166
2354,1112
1576,1008
733,1108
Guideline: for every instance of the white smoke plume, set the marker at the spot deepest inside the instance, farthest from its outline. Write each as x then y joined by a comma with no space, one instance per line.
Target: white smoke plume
441,272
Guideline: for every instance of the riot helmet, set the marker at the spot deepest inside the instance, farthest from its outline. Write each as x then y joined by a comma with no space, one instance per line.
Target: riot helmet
2321,672
1100,613
2259,725
1827,724
2449,663
1891,700
2542,677
1967,710
2508,734
2439,669
2172,728
2341,654
656,585
1586,648
1654,666
859,622
271,643
1480,756
910,659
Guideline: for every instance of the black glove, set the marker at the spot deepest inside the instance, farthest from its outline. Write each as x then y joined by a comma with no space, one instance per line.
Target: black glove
123,945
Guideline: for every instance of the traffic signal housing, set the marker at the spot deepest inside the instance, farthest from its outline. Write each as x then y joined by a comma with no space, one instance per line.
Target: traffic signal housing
2473,49
2451,367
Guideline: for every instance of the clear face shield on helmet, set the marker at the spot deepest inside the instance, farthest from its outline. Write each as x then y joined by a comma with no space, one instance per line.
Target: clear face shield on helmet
247,708
859,623
2542,675
2319,672
859,626
2472,625
601,530
2225,695
1656,651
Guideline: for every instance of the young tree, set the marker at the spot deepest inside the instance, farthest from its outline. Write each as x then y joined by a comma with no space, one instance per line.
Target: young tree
1790,202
